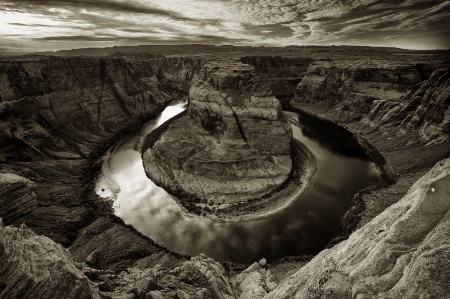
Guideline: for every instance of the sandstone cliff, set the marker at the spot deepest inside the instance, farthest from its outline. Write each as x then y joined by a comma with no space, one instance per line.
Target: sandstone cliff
425,108
347,91
234,143
402,253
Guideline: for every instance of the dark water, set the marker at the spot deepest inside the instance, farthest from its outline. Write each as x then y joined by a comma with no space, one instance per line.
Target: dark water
303,228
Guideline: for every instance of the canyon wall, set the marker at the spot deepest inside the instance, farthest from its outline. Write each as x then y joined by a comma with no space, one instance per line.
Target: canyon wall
398,108
425,108
69,108
57,115
413,98
349,90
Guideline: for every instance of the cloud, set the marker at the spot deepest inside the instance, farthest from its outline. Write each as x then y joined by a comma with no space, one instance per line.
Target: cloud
417,24
107,5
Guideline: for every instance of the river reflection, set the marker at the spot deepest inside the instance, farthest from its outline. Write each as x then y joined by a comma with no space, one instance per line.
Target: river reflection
303,228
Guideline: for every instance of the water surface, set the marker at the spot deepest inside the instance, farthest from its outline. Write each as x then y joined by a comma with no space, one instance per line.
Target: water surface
303,228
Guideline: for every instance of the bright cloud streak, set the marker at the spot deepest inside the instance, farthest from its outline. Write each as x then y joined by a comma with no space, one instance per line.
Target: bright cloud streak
30,25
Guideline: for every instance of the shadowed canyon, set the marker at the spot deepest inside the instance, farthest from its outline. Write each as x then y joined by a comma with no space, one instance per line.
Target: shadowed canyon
232,172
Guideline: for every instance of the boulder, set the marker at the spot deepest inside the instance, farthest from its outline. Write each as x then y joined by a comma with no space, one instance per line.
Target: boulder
34,266
17,199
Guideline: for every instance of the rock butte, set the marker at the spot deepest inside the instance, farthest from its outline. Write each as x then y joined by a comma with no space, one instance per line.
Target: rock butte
58,114
233,145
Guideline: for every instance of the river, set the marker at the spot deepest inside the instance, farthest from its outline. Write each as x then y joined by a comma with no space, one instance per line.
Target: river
305,227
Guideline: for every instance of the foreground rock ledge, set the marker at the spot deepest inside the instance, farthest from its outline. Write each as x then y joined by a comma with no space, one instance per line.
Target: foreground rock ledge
402,253
34,266
232,146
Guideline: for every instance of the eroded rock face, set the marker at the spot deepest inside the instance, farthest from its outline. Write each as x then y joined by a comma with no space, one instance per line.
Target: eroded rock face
34,266
401,253
199,278
116,243
65,108
350,90
233,144
425,109
17,199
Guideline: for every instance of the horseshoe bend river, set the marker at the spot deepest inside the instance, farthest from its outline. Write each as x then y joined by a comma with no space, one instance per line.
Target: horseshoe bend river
305,227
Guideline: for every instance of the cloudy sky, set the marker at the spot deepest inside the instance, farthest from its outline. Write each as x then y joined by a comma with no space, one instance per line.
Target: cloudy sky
39,25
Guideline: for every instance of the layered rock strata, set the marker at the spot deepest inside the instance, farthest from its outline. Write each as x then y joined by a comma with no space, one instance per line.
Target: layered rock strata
56,117
67,108
233,145
17,199
402,253
425,108
347,92
33,266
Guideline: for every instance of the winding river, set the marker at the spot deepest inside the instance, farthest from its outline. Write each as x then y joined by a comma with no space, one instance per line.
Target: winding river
305,227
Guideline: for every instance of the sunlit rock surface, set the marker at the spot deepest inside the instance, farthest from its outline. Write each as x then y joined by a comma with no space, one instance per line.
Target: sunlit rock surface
233,144
402,253
254,282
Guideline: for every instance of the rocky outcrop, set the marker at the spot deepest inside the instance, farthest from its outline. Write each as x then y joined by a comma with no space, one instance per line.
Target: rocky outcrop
401,253
199,277
118,245
232,146
17,199
255,281
214,273
424,109
34,266
347,92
